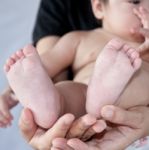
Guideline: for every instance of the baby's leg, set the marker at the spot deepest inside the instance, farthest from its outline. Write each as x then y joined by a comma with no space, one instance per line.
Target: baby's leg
35,90
32,86
114,68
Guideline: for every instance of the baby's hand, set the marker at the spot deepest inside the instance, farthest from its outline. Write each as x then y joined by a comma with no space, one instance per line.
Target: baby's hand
7,101
143,15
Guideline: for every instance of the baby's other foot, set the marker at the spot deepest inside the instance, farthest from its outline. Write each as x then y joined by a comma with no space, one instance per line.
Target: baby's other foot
114,68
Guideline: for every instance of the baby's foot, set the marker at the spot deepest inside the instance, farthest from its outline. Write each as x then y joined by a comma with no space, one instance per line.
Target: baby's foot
114,68
32,86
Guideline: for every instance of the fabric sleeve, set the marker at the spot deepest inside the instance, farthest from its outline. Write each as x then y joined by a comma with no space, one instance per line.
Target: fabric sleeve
51,19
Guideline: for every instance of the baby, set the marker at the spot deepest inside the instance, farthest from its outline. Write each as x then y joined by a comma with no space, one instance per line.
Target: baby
102,70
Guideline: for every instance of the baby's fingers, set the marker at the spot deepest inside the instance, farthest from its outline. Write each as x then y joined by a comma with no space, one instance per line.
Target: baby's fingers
5,111
144,46
137,13
4,125
4,121
7,114
145,17
143,14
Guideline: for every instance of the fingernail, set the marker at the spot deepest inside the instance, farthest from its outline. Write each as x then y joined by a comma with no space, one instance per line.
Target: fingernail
109,113
69,119
89,120
99,127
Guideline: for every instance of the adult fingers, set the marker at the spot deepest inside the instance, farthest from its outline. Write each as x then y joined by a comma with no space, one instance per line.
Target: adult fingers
27,124
79,127
59,129
120,116
54,148
98,127
42,139
61,143
77,144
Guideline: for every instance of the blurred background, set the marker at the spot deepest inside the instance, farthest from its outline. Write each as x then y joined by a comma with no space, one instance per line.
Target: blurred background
17,19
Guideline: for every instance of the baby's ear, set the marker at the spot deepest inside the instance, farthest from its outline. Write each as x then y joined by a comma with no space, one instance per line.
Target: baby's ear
97,8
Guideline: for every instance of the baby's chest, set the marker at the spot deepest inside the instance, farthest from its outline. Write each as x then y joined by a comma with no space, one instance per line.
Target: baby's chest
85,57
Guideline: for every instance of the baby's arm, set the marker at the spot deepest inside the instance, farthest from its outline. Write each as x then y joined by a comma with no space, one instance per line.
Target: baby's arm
7,101
62,54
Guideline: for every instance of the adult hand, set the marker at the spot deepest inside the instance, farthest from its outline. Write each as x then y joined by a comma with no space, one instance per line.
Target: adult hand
41,139
129,125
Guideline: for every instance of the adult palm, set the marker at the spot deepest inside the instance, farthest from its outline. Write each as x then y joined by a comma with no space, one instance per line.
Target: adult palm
128,126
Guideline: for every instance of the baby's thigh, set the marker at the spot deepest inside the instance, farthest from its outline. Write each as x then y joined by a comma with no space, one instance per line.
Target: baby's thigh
74,97
135,94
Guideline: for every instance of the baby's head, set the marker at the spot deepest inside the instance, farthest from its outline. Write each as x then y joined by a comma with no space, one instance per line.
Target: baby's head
118,16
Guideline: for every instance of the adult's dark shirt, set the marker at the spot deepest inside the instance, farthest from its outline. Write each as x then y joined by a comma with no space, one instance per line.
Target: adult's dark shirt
57,17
